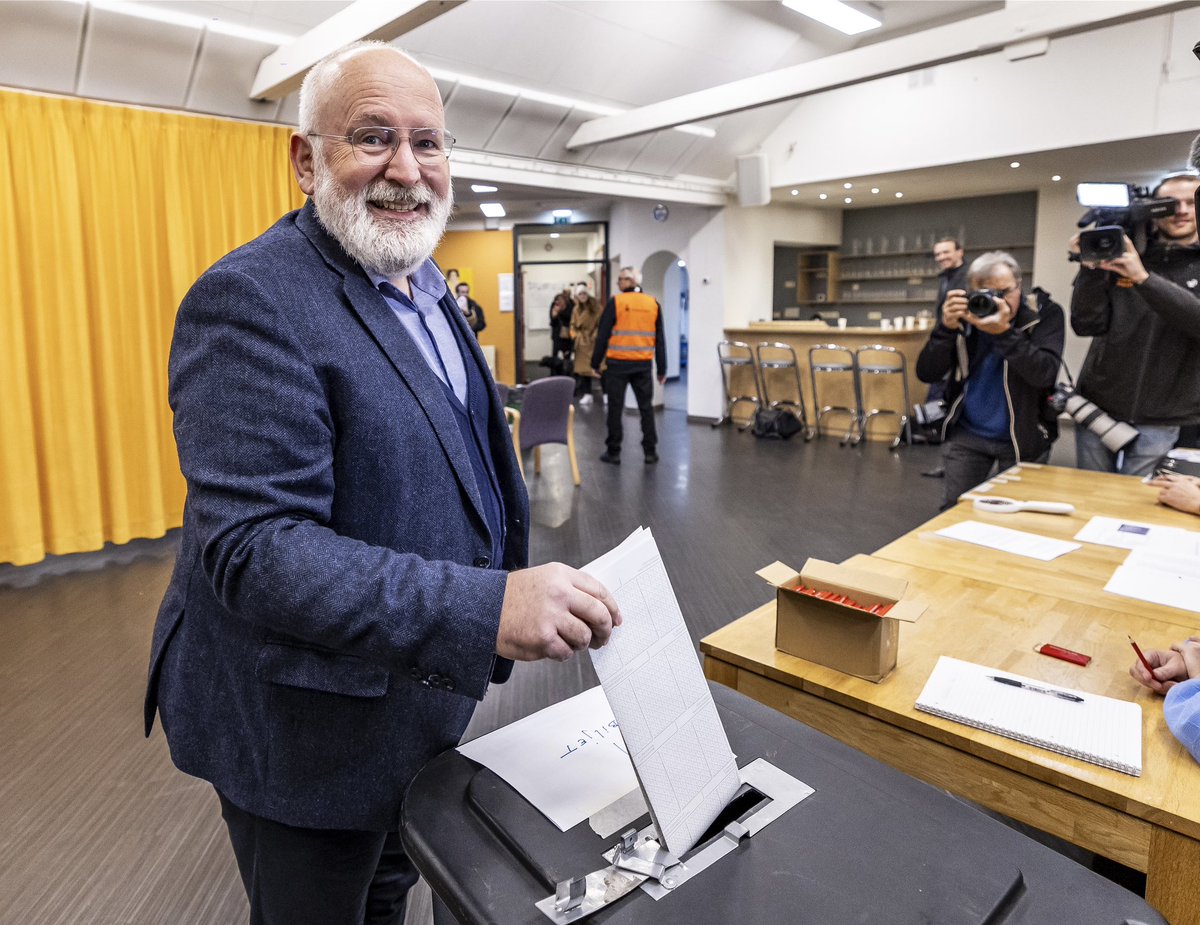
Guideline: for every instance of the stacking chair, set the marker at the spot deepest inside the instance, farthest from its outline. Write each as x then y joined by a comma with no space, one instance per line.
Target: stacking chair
546,416
734,355
878,360
830,359
778,361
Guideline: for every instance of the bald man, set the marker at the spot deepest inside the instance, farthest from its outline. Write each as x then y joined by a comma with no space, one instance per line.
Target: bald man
351,574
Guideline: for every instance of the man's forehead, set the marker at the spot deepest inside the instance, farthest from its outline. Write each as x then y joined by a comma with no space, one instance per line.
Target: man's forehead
370,87
1179,188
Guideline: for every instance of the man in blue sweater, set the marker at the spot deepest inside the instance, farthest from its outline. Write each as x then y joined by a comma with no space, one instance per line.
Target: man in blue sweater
1002,359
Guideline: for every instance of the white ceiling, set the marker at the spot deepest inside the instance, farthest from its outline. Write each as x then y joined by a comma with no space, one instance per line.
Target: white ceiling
613,53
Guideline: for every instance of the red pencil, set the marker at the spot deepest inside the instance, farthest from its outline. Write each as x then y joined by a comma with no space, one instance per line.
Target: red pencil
1141,658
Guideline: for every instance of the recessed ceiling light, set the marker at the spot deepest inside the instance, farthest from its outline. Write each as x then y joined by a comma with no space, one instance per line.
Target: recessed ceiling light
847,186
562,213
483,188
835,14
1055,178
554,234
1015,164
849,200
823,196
681,263
492,209
874,189
795,192
899,195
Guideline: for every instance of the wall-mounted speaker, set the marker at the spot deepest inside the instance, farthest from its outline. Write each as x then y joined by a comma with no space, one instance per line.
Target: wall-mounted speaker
753,182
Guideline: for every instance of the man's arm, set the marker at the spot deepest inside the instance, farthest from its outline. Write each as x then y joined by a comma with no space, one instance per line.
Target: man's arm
608,318
938,356
480,321
1035,355
660,346
1091,302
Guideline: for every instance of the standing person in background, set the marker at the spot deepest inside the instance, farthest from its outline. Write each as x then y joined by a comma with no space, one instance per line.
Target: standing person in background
948,255
560,331
585,322
471,309
631,341
1142,312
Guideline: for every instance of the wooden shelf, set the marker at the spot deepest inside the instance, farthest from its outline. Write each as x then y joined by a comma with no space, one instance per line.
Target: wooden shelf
924,252
871,279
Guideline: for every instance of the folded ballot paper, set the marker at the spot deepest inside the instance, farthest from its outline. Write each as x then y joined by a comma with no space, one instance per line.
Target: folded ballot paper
652,678
572,759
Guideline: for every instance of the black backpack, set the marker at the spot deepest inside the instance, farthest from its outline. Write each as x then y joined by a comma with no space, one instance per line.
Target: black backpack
776,424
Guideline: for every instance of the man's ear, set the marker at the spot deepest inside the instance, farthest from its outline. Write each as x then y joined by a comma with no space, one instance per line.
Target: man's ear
302,155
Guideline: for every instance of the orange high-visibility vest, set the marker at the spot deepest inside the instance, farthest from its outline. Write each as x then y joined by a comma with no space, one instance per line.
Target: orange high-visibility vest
633,331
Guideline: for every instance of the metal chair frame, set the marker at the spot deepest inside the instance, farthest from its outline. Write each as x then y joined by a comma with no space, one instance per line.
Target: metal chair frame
854,432
773,355
904,431
731,354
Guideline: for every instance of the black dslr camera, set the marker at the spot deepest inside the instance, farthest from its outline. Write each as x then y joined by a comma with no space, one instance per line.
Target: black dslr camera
982,302
1116,209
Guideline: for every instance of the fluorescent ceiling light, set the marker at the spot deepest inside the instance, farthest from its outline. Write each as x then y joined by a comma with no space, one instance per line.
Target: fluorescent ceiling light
551,99
835,14
189,20
492,209
483,188
562,213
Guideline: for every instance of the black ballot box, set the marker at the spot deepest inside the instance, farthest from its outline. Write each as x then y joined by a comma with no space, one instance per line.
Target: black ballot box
870,845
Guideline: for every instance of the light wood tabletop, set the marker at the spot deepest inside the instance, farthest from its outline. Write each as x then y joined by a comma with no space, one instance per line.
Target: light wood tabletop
981,611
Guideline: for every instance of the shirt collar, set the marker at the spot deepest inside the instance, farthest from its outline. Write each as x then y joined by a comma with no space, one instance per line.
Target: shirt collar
427,278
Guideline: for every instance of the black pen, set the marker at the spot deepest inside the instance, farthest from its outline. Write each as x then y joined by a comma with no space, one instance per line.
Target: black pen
1062,695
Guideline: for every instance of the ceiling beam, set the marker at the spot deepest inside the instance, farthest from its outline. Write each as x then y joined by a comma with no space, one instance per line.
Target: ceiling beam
1020,21
282,71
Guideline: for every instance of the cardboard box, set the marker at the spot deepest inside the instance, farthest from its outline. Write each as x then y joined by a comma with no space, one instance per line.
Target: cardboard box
835,634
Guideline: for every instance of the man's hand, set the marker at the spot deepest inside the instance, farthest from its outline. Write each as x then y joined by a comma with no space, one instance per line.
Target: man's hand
1179,491
1128,265
954,309
1180,663
996,323
552,611
662,380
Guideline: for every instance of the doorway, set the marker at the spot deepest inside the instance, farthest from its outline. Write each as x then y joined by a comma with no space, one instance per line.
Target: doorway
665,276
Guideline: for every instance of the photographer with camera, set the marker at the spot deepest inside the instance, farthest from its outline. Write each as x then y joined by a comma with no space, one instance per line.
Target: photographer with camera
1142,311
1001,350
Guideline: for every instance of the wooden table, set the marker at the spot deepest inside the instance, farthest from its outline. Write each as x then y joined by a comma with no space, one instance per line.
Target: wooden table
1150,823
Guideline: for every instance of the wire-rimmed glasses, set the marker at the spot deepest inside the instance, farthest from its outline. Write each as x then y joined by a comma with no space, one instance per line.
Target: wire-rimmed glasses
375,145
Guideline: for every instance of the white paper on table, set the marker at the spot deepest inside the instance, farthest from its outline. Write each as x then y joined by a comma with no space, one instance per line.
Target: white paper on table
1130,534
569,760
652,677
1017,542
1159,578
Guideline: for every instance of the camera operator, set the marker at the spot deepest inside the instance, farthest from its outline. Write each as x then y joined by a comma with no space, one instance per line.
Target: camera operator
1002,356
1142,312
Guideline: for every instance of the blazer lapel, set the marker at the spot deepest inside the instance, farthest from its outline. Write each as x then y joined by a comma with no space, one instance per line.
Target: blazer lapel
387,331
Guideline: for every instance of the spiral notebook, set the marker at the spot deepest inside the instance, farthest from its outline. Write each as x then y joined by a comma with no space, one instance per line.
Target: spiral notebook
1102,730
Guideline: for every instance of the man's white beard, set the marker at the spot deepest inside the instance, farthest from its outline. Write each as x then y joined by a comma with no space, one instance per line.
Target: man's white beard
389,248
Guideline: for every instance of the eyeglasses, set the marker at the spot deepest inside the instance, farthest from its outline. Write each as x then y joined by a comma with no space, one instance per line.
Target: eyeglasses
376,145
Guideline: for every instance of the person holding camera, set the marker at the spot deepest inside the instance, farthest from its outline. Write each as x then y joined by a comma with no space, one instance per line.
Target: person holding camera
1142,312
1001,351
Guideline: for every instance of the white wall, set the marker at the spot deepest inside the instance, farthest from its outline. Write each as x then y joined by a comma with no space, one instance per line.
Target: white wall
1143,81
1057,213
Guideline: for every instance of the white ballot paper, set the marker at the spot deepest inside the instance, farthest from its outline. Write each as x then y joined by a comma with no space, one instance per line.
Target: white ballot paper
1017,542
568,760
652,678
1160,578
1129,534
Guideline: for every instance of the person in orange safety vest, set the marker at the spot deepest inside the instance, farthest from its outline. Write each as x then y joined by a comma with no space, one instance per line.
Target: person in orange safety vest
630,340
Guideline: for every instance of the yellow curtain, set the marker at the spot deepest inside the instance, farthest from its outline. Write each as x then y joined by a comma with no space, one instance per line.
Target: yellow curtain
107,216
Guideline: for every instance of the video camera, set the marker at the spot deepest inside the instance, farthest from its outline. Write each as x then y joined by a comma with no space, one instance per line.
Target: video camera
1117,209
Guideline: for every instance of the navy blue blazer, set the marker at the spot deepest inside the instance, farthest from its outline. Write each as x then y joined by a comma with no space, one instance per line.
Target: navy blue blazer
333,612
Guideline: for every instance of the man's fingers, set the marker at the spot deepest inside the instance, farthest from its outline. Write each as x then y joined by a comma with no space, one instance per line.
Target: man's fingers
594,588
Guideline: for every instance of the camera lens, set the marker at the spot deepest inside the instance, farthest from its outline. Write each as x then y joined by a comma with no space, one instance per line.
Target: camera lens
981,303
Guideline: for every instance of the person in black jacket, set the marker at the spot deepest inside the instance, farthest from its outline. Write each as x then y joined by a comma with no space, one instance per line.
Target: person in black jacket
1001,367
471,309
1142,312
948,255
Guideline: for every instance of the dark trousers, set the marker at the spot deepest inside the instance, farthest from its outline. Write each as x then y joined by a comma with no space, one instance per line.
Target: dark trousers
298,876
970,459
583,384
640,375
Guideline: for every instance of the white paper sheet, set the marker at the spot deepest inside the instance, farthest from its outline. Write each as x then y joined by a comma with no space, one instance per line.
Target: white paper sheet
569,760
1130,534
1159,578
652,677
1017,542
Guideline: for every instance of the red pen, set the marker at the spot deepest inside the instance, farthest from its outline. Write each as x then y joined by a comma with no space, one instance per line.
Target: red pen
1141,658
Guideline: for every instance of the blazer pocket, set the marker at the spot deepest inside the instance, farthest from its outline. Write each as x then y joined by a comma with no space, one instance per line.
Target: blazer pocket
319,670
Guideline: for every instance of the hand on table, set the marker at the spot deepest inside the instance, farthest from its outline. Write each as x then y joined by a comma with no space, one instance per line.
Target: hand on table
1181,492
552,611
1180,663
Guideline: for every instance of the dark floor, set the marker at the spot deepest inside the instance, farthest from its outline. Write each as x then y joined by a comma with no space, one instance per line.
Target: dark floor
96,827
